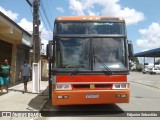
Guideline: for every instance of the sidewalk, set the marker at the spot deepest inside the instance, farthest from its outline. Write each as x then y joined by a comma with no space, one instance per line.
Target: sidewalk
145,79
16,100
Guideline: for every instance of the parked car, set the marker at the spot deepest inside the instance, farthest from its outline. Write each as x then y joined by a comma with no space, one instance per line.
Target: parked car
147,70
155,71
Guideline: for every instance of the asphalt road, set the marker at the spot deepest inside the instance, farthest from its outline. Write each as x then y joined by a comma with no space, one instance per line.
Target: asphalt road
143,98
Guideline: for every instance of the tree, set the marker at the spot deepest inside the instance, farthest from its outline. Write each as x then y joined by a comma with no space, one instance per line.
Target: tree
139,67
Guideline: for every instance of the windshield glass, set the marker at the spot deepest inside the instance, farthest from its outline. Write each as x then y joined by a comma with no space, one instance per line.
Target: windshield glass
91,54
110,52
89,28
73,53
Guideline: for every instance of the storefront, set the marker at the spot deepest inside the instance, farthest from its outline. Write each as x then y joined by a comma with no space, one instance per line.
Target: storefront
15,44
5,51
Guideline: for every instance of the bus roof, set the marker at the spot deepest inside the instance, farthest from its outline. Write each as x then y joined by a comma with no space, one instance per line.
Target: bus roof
78,18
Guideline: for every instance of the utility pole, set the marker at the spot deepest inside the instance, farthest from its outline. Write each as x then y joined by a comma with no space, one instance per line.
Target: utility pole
36,38
36,71
36,66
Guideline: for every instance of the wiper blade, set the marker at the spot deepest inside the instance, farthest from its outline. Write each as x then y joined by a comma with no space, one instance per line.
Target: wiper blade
105,66
77,68
70,66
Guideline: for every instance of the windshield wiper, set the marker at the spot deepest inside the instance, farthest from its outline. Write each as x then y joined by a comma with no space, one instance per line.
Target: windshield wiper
82,65
105,66
77,68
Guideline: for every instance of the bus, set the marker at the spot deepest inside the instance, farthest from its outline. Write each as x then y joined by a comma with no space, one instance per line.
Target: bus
89,60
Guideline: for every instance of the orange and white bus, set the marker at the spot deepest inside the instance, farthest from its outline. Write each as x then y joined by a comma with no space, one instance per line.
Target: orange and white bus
89,57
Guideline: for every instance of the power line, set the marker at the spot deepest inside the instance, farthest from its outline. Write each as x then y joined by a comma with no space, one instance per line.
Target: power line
29,3
49,10
44,18
45,24
45,14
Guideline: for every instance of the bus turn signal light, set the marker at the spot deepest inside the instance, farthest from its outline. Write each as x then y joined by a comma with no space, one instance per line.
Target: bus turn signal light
63,97
121,96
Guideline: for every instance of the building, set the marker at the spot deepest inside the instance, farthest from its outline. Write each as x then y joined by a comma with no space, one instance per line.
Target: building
15,44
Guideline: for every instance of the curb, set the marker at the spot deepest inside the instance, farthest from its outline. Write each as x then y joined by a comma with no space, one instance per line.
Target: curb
145,84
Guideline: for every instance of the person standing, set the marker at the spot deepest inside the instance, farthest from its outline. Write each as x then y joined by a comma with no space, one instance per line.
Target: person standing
5,74
25,73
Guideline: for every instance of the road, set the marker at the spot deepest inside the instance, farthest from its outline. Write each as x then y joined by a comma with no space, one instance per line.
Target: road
143,98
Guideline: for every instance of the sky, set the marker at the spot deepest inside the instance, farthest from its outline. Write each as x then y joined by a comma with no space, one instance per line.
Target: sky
142,16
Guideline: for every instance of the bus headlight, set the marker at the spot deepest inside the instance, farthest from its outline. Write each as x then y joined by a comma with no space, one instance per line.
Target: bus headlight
120,86
63,87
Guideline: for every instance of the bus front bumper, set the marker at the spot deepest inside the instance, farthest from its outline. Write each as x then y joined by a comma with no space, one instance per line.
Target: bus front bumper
77,97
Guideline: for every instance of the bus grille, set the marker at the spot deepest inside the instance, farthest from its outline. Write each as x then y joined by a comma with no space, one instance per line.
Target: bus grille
92,86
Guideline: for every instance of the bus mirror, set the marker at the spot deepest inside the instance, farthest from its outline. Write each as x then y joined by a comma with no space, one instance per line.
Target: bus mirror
130,49
49,51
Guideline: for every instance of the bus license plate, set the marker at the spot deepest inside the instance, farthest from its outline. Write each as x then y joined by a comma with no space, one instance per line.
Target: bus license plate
92,96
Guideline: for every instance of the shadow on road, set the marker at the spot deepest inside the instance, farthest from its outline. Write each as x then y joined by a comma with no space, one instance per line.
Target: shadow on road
81,110
38,102
43,104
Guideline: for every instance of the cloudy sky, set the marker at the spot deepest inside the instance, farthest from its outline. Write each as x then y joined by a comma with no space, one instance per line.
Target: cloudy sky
142,17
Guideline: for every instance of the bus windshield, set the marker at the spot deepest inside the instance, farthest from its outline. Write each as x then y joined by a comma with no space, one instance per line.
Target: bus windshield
85,53
89,28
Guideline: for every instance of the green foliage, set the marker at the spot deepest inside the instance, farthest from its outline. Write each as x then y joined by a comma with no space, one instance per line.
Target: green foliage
139,67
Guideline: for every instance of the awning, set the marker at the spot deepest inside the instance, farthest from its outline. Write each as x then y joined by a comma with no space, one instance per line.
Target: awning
12,32
149,53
